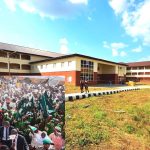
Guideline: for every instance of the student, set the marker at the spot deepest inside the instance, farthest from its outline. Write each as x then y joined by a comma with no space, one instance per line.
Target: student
86,86
81,85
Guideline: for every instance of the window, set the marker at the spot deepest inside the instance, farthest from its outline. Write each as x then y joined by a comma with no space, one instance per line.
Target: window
3,65
128,73
14,66
46,66
147,67
128,68
54,65
25,57
141,67
3,54
134,73
32,67
62,64
69,63
147,73
14,55
26,67
134,68
141,73
87,70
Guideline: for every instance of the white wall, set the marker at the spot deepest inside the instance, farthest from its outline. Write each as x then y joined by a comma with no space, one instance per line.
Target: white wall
68,65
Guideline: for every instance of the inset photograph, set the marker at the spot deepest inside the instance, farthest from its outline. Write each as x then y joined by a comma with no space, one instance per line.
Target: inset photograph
32,111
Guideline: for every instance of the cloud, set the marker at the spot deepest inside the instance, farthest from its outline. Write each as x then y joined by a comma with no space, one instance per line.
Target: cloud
52,9
123,53
27,7
105,44
147,58
79,1
89,18
134,17
118,45
137,50
10,4
63,45
115,52
118,5
115,47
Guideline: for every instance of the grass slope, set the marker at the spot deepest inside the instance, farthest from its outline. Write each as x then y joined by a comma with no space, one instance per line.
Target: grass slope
112,122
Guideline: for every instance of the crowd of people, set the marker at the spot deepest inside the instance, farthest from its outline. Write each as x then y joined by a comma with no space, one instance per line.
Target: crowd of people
31,114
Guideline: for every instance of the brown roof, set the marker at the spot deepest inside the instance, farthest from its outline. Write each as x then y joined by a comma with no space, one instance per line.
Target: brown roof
27,50
73,55
136,64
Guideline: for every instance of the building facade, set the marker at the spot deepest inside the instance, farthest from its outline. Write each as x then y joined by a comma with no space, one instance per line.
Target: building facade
18,60
76,66
15,60
139,71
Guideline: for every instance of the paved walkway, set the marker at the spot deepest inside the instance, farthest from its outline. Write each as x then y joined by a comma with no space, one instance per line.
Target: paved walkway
119,88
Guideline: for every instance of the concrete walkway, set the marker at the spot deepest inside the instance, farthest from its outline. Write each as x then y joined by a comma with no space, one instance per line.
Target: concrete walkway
75,96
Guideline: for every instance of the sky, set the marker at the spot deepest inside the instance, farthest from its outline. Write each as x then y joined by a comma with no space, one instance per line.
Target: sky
115,30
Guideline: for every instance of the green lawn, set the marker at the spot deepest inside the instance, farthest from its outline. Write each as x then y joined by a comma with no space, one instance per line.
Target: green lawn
112,122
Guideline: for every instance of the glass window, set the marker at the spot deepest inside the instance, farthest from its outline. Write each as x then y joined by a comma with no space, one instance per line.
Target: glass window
128,73
87,70
54,65
134,68
141,73
147,67
134,73
46,66
128,68
69,63
141,67
62,64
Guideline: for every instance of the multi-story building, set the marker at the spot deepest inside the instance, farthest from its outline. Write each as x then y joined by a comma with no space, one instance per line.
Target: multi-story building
18,60
139,71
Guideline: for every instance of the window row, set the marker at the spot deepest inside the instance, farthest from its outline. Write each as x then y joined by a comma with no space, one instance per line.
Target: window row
86,76
138,68
139,73
46,66
14,55
14,66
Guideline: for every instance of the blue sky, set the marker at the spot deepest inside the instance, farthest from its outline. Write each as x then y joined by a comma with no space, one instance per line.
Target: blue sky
116,30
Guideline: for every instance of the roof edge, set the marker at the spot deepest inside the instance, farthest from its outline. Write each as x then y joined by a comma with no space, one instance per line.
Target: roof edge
79,55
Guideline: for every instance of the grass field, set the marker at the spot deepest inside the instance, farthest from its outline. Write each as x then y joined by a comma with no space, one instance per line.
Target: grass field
112,122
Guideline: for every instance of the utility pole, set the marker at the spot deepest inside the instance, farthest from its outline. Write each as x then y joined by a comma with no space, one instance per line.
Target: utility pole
9,54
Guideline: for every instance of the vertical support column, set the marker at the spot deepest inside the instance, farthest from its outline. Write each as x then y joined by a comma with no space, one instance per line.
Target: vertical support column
8,56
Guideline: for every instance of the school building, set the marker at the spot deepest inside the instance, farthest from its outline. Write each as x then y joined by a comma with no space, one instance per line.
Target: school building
139,71
19,60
